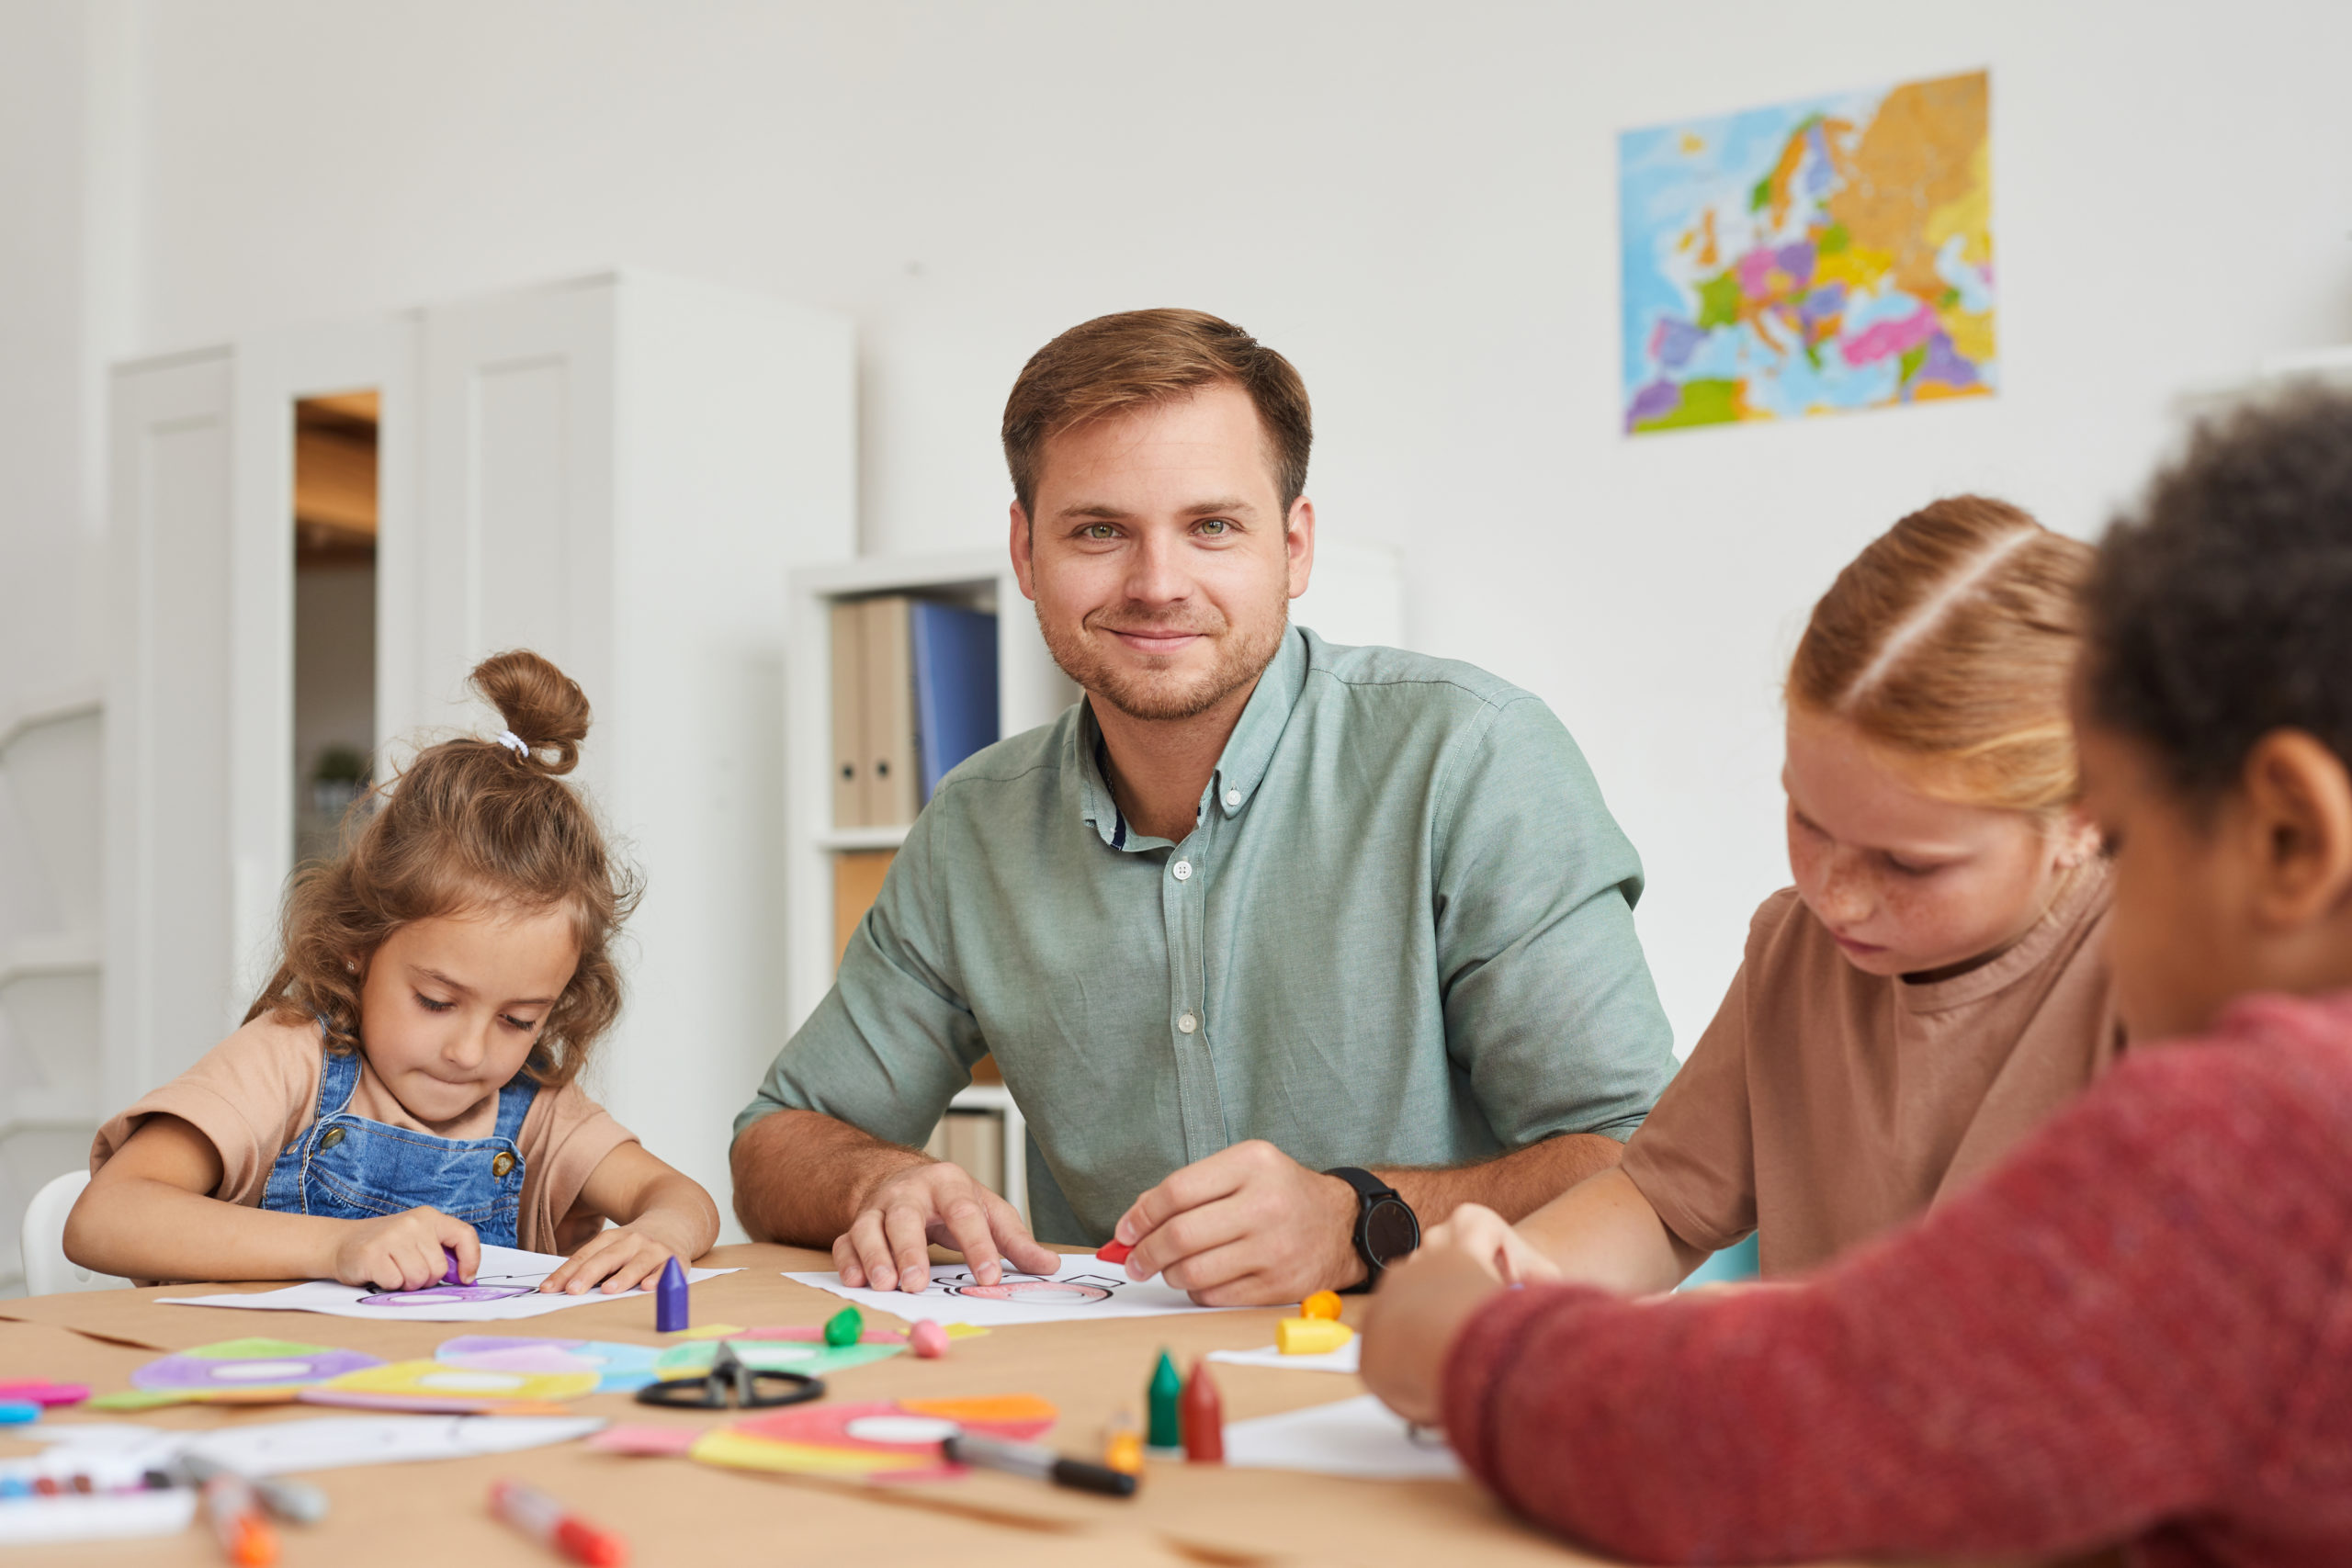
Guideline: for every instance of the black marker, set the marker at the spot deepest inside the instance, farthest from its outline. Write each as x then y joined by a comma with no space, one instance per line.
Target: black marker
1038,1461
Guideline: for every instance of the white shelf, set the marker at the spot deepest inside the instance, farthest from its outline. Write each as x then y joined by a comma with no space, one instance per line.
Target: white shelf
834,841
64,953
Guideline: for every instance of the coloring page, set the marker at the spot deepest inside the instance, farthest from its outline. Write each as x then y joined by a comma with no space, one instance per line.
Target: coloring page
1357,1437
506,1287
1084,1289
118,1455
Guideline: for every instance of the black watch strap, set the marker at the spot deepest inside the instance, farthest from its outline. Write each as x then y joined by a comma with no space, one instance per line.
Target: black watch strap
1397,1221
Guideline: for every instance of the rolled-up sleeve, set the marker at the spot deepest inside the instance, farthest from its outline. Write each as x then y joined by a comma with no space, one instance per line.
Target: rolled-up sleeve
1550,1008
894,1040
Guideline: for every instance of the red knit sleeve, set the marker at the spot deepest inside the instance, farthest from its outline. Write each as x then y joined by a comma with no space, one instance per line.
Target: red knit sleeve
2105,1333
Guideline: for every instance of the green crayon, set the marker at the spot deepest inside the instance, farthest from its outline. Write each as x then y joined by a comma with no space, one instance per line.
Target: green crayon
1166,1390
843,1327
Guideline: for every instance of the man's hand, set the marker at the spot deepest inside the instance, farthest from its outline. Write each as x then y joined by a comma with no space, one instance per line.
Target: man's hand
1418,1309
1248,1227
402,1251
887,1245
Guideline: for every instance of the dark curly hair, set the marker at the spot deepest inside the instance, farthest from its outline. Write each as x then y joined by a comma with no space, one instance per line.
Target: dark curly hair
2220,608
469,823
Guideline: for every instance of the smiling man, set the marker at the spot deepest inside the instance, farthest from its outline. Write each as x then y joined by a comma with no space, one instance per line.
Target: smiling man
1283,948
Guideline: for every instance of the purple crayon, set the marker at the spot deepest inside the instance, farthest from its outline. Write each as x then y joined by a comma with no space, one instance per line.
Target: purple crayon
449,1275
670,1299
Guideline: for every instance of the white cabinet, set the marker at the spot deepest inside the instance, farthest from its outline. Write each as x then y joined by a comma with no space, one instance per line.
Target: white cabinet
617,472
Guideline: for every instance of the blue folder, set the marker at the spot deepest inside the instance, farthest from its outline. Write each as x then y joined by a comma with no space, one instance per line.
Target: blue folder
955,660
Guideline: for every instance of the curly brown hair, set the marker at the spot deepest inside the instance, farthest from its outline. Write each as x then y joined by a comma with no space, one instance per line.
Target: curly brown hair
469,823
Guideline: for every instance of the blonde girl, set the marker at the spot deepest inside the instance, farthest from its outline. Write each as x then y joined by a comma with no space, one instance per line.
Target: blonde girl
1933,985
406,1087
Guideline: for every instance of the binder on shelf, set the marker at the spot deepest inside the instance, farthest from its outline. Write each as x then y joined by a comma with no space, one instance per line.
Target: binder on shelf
857,882
849,714
954,671
893,790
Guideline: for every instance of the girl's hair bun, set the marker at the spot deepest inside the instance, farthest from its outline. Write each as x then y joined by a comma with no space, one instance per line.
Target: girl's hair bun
544,707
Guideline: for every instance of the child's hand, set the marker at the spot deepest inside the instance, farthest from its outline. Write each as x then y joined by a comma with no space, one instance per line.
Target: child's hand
1420,1305
623,1257
402,1252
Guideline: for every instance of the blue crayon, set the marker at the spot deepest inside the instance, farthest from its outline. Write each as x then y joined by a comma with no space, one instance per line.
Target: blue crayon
17,1412
670,1314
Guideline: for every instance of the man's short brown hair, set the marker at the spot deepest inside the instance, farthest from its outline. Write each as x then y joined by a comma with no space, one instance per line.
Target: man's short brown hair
1115,363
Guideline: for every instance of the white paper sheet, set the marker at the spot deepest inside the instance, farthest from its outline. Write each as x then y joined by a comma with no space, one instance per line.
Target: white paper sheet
1343,1360
1356,1437
1083,1289
118,1454
43,1521
506,1288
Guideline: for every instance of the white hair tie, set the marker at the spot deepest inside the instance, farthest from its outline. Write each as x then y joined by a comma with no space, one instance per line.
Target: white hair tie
509,739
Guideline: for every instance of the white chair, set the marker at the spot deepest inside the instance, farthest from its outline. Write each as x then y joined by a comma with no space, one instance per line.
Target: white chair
42,1239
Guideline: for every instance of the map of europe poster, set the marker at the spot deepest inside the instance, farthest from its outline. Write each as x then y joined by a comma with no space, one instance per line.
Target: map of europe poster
1810,258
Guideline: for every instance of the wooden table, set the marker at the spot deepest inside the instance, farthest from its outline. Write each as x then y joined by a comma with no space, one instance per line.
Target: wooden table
676,1511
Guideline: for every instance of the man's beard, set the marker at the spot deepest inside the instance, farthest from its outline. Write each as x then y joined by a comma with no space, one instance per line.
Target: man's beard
1157,697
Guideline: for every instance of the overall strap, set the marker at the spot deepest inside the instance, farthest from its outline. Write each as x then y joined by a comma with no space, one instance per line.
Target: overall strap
338,1079
514,1105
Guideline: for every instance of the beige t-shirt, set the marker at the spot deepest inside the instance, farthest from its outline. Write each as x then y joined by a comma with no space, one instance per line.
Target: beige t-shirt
1824,1105
255,1093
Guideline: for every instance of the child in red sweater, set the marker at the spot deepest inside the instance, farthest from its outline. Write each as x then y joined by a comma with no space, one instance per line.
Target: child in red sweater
2137,1329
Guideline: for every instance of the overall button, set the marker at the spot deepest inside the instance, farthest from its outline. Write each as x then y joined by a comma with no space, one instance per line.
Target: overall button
331,1137
501,1163
1184,870
1187,1023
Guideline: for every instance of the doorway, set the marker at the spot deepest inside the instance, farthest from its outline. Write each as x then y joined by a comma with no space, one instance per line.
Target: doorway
335,506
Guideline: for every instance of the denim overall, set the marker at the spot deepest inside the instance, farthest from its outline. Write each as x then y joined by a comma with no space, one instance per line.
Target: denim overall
347,1168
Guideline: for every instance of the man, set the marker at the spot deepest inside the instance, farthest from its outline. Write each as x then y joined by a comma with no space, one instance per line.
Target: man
1257,909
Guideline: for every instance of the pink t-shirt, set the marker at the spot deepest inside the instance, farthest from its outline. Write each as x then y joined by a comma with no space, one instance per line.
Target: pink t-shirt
253,1094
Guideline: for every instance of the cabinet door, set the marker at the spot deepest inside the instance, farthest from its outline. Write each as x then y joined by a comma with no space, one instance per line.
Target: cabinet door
170,985
517,531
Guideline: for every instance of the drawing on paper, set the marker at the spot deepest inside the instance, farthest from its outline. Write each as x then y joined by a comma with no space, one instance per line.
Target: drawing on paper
481,1290
1069,1289
1812,257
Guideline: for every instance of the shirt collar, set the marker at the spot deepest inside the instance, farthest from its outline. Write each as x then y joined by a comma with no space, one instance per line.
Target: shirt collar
1249,750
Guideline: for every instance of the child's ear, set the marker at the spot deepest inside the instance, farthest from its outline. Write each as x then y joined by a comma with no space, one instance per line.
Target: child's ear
2297,821
2077,838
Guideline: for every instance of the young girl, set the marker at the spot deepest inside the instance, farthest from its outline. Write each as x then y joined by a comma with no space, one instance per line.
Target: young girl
1931,988
405,1082
2138,1326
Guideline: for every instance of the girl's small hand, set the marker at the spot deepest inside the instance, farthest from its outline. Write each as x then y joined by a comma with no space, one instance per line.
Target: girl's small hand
1418,1309
1478,1230
623,1257
403,1251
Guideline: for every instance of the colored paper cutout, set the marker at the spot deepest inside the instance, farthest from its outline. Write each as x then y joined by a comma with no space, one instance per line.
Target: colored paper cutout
505,1288
620,1367
772,1356
710,1331
883,1440
446,1388
234,1371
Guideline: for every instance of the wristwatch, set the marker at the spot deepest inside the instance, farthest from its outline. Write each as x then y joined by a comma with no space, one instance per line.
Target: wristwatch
1386,1227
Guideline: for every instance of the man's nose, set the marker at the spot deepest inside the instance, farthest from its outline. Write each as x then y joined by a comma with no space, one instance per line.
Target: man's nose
1155,572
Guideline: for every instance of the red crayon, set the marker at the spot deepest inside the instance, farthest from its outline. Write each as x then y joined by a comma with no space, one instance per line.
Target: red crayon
1202,1415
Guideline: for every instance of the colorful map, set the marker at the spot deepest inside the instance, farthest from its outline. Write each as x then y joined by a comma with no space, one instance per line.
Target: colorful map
1809,258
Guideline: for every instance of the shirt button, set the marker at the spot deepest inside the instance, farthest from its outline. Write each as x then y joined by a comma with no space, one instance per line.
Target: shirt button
1233,797
1183,869
1187,1023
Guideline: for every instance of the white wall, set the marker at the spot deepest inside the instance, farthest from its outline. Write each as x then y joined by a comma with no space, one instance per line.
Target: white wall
1416,202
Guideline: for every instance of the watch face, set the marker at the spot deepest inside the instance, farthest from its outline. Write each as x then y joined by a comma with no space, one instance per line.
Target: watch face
1390,1231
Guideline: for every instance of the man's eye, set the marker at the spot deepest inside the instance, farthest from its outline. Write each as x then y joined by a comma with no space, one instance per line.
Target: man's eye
1215,526
1101,531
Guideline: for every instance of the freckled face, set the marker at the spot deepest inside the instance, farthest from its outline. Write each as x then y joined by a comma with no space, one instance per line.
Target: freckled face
1905,882
452,1005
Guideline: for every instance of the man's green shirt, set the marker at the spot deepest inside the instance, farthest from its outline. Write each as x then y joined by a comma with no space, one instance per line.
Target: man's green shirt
1400,933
